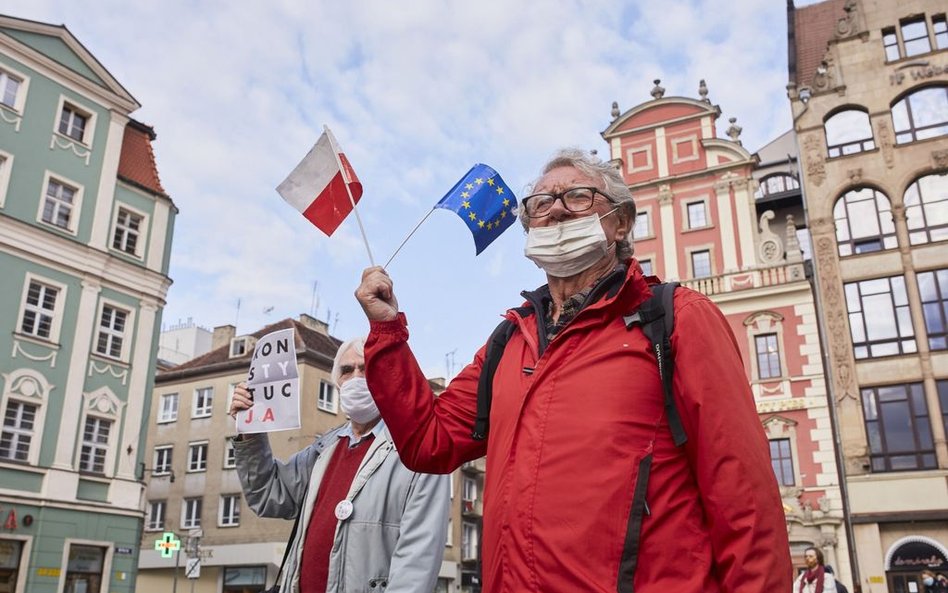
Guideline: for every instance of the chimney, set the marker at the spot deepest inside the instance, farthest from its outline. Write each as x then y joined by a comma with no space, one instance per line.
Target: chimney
314,324
223,334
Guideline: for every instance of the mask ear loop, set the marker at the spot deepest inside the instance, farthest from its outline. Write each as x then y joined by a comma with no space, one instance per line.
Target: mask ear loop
612,245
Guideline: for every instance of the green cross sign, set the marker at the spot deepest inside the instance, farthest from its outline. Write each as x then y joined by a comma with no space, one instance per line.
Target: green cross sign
167,545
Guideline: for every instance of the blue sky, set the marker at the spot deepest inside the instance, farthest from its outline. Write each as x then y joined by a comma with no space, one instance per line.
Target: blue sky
416,93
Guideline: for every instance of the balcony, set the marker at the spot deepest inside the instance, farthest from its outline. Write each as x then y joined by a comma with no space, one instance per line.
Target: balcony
785,273
478,466
471,509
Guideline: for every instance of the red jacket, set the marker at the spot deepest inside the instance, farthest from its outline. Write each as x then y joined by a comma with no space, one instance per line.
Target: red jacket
570,434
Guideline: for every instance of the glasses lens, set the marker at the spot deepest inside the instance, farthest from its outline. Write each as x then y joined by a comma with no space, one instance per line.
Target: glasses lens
538,204
579,199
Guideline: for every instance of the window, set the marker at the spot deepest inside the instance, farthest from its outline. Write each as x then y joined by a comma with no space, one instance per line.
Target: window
9,87
6,163
95,445
72,122
156,515
933,288
162,463
926,209
777,183
642,228
921,115
915,36
468,541
646,265
197,457
768,356
229,510
84,570
449,533
897,424
17,435
848,132
943,401
191,513
11,552
203,402
230,454
58,204
863,222
128,227
697,215
242,579
891,44
940,28
470,490
879,318
327,397
168,407
111,331
700,264
39,310
782,461
238,347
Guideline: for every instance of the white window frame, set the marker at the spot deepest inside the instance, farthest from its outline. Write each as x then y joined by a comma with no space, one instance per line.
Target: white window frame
95,446
645,212
230,453
88,132
449,533
108,547
650,258
333,404
207,402
20,100
159,468
57,312
469,489
17,431
72,227
689,253
126,335
468,549
233,518
27,386
687,212
191,520
630,158
142,237
155,515
241,346
103,404
201,458
165,413
6,167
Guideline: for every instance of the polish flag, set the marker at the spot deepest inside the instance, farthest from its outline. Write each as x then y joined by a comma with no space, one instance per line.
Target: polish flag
323,187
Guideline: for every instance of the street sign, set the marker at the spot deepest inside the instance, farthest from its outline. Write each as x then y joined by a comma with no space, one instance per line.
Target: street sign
193,569
123,550
168,544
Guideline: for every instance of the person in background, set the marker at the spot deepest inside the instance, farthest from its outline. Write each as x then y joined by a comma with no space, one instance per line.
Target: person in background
934,583
368,523
815,579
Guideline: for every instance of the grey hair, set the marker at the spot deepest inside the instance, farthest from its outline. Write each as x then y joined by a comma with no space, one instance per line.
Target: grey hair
357,344
597,169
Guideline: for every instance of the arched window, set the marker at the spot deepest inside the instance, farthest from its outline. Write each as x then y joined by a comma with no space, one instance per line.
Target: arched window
777,183
926,209
921,114
864,222
848,132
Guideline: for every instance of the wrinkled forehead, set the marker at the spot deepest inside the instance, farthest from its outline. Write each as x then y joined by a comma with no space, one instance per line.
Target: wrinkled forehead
562,178
351,357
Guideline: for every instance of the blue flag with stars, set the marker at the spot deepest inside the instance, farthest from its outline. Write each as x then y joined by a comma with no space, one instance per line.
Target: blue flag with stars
484,203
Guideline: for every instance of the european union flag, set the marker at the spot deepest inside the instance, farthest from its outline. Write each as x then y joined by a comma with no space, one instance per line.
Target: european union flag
484,203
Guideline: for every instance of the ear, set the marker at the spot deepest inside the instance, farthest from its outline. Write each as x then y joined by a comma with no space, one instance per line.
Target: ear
625,221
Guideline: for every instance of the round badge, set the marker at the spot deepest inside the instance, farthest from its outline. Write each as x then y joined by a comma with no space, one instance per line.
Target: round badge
343,510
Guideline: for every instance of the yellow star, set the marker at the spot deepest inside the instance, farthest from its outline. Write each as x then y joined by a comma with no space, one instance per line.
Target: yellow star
490,181
479,181
472,216
466,204
465,194
480,223
490,226
503,214
500,190
497,222
469,186
506,202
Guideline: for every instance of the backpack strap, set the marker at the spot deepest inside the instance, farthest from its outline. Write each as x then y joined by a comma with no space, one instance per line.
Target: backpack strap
656,316
485,383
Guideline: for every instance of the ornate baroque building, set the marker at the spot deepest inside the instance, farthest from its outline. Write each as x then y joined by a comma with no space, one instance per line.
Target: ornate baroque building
85,237
869,94
727,223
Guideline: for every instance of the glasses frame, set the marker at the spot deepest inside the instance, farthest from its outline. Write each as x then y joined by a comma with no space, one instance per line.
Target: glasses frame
560,196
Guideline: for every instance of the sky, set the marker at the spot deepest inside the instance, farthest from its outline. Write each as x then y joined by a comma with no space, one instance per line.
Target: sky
416,93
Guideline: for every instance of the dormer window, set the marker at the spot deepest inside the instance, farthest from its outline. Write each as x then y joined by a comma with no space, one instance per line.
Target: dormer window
241,346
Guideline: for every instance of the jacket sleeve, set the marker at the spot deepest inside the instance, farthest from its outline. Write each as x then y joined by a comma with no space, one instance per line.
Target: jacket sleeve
271,487
416,561
728,452
433,435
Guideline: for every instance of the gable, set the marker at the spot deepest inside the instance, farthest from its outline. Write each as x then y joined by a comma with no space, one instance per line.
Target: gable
55,49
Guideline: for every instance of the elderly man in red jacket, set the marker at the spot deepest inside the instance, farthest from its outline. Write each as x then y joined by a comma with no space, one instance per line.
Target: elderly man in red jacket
579,437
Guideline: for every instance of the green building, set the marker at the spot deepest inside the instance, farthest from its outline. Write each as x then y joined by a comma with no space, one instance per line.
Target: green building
85,238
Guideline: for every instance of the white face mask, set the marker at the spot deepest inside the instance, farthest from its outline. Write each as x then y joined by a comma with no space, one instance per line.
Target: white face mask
570,247
929,581
357,402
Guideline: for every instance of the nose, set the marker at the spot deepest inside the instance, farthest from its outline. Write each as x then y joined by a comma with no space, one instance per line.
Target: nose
558,210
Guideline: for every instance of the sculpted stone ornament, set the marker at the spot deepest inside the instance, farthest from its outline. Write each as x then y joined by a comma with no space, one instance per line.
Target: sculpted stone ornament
770,249
658,91
734,131
885,141
849,25
665,195
815,165
794,253
940,159
703,91
615,110
855,175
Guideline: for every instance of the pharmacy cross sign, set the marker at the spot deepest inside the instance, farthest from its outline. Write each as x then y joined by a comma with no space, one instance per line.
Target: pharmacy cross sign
167,545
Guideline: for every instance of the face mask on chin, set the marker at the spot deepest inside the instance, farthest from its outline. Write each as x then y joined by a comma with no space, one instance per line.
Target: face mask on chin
357,402
568,248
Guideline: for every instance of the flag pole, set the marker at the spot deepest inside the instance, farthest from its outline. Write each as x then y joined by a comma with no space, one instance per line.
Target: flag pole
335,154
407,238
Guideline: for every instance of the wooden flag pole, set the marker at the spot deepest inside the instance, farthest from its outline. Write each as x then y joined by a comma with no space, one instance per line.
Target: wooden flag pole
407,238
335,153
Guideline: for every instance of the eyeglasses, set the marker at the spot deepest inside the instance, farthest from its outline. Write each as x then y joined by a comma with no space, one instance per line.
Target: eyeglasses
575,199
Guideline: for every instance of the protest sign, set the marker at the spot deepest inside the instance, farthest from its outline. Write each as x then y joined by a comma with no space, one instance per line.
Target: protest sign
274,384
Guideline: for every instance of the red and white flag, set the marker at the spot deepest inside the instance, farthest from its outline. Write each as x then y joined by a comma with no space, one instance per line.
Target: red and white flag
323,187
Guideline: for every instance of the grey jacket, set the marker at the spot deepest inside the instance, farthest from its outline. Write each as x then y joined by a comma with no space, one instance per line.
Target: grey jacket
393,541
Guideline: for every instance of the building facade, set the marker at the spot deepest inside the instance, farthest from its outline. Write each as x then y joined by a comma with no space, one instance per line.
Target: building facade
85,237
723,221
193,493
869,94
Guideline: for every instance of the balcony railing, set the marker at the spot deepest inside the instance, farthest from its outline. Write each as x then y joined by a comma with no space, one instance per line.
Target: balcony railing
471,508
747,279
478,466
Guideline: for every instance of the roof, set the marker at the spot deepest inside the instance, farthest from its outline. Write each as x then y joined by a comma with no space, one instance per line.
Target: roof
137,161
309,343
810,29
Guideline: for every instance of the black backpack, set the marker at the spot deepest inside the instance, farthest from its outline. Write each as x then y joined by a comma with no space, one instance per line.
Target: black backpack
656,318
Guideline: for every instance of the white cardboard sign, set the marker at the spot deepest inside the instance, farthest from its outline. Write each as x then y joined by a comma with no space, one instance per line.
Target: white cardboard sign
274,384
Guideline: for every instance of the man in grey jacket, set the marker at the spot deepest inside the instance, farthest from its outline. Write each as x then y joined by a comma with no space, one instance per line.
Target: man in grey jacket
367,522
